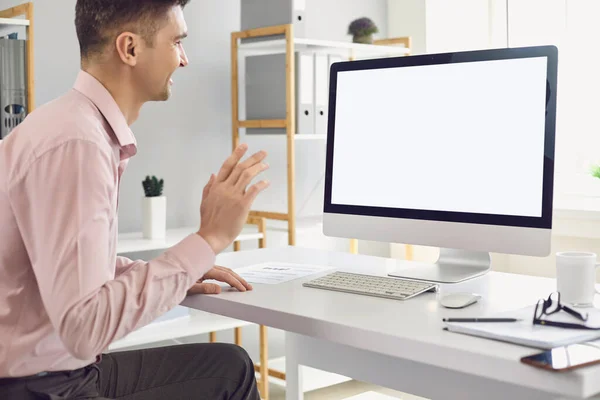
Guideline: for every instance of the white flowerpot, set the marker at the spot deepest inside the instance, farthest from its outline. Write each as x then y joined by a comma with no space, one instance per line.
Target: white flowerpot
154,217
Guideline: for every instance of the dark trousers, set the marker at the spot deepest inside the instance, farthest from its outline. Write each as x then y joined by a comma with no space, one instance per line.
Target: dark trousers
195,371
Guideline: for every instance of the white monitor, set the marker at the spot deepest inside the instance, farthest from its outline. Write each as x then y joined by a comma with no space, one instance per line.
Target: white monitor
451,150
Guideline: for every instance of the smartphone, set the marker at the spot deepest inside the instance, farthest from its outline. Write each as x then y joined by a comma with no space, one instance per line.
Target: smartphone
565,358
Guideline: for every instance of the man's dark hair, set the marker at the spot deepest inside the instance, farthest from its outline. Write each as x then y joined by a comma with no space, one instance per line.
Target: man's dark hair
98,22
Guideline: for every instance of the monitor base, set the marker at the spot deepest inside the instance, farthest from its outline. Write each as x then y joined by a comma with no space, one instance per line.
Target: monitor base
452,266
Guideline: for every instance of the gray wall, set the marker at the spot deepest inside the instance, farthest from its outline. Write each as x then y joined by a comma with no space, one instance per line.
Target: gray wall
186,138
329,19
182,140
407,18
56,48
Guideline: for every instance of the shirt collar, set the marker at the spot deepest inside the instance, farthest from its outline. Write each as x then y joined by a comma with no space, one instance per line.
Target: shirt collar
101,97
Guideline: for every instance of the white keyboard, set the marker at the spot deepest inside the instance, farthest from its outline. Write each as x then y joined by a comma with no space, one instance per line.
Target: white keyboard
369,285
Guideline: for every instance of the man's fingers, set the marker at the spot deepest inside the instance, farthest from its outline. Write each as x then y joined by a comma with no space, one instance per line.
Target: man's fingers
241,280
231,162
243,166
228,278
205,288
236,276
255,189
249,174
208,186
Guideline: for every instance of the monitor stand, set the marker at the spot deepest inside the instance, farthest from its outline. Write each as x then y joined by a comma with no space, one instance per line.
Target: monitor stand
452,266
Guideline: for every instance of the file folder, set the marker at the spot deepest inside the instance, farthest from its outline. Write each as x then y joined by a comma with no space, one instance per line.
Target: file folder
321,93
305,77
298,18
262,13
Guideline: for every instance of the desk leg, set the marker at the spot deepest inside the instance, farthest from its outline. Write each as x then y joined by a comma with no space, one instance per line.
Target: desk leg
293,372
238,336
264,367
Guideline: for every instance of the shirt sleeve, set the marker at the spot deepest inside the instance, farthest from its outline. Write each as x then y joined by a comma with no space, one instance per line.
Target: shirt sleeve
64,206
123,264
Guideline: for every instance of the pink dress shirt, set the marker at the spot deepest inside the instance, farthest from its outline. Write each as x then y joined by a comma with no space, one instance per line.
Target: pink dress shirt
64,293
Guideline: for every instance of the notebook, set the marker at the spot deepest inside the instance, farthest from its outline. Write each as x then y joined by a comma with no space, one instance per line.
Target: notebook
526,333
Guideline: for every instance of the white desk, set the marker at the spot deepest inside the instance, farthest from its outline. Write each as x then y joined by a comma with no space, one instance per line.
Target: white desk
397,344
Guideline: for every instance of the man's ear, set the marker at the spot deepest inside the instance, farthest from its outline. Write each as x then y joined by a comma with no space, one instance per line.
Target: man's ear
128,47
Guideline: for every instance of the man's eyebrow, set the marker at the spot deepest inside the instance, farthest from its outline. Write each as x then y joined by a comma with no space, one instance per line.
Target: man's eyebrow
181,36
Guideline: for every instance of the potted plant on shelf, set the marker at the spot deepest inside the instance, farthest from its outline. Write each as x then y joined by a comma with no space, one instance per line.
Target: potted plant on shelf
362,30
154,209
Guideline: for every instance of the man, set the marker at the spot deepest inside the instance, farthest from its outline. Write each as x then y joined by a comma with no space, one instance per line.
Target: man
64,294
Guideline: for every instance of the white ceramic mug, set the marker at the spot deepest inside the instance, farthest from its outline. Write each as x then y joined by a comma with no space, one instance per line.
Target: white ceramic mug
576,278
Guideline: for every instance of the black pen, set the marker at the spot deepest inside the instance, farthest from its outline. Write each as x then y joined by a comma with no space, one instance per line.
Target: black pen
481,320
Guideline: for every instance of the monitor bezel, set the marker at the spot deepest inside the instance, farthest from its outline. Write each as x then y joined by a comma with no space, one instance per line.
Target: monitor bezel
545,221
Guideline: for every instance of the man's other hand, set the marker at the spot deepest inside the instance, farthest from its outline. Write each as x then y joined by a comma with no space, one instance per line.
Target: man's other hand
221,274
227,198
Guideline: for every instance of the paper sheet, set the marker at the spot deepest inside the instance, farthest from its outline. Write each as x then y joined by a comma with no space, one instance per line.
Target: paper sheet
275,273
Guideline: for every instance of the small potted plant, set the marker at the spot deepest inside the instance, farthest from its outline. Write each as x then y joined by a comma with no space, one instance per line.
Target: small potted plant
596,171
362,30
154,209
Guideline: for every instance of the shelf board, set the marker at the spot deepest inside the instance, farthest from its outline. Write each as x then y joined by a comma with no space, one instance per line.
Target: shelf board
312,379
372,396
134,241
263,123
9,22
310,137
344,49
302,223
197,323
298,136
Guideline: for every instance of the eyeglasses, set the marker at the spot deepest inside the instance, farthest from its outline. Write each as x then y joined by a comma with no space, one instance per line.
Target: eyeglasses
552,305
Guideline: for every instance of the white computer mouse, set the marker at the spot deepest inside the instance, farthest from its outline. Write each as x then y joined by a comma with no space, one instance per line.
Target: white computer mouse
459,300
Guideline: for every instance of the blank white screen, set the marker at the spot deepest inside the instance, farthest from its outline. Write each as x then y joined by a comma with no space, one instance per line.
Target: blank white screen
466,137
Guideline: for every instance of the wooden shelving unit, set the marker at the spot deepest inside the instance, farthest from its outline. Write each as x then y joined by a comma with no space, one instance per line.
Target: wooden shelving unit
347,50
288,45
8,19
